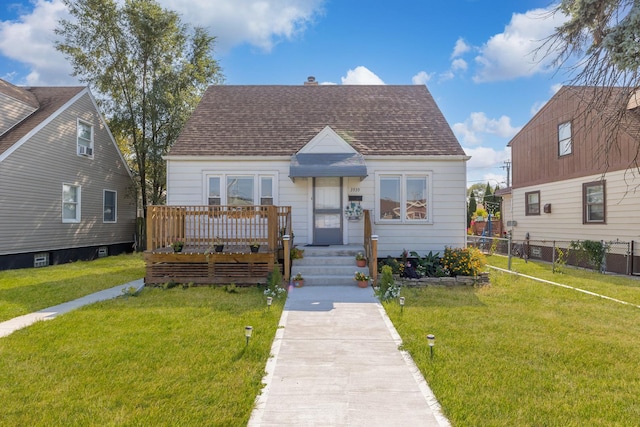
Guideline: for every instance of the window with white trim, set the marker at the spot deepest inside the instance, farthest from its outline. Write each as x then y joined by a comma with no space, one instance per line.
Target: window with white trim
403,197
593,203
564,139
241,190
109,206
85,139
70,203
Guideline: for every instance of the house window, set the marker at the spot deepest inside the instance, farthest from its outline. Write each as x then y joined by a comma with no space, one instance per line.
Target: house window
214,191
532,203
85,139
564,139
266,190
241,190
593,202
109,206
403,197
70,203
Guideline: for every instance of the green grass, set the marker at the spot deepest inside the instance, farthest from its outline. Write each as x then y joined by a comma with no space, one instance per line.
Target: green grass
27,290
625,288
165,357
524,353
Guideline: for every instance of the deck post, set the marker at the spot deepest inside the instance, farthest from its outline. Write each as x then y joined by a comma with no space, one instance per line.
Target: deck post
150,234
286,246
373,262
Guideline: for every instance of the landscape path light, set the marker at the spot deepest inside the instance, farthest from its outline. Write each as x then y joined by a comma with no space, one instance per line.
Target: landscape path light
248,330
431,340
401,299
269,301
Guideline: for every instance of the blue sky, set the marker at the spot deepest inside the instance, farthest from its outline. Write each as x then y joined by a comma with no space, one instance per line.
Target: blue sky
475,56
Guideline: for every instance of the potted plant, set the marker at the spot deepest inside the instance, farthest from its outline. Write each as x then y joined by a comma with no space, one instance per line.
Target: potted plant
254,247
177,246
218,244
362,279
361,261
297,253
298,280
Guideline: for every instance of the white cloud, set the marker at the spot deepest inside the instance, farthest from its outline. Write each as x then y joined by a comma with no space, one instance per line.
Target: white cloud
459,64
30,40
483,158
447,75
361,76
460,48
472,129
261,23
421,78
512,53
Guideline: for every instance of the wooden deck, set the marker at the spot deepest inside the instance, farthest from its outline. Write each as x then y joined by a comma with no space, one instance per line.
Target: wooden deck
200,228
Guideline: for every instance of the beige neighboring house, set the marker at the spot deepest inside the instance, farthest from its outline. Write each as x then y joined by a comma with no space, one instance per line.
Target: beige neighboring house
327,151
564,186
65,189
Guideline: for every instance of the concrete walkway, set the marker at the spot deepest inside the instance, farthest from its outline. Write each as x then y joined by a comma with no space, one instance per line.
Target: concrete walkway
10,326
336,363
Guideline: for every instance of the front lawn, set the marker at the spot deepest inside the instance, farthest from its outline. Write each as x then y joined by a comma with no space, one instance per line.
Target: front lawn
166,357
24,291
523,353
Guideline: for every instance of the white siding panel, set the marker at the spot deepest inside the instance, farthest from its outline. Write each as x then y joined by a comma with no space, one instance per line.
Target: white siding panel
564,223
186,185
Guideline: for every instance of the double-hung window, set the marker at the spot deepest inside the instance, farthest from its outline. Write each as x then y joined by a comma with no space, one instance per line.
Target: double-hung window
564,139
403,197
532,203
241,190
594,203
109,207
85,139
70,203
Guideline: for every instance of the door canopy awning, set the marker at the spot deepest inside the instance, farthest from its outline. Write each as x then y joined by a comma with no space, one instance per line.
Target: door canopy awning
304,165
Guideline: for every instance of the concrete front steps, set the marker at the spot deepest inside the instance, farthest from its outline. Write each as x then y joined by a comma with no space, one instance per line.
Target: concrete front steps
328,265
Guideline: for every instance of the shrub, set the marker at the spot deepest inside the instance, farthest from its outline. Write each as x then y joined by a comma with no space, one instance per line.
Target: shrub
387,288
463,262
274,283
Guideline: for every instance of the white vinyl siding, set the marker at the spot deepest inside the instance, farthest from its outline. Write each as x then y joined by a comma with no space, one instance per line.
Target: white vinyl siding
70,203
566,222
188,184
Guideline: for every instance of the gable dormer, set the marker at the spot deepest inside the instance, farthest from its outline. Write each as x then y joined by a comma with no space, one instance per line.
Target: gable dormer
16,104
327,154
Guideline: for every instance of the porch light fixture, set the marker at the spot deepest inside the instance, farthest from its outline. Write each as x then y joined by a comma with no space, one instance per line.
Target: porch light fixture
248,330
269,301
401,299
431,340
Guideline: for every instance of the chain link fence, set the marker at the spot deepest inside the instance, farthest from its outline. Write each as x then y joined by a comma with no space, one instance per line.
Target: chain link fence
605,256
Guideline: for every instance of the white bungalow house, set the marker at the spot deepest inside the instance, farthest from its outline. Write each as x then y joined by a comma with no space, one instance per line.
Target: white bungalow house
327,152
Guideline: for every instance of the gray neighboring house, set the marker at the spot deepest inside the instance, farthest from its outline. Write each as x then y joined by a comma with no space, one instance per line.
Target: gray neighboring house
65,189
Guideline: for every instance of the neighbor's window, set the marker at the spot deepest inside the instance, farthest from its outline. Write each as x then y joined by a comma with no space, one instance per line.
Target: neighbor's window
241,190
564,139
403,197
70,203
593,202
85,138
532,203
109,206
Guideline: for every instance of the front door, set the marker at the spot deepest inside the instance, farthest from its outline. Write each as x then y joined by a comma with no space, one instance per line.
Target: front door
327,211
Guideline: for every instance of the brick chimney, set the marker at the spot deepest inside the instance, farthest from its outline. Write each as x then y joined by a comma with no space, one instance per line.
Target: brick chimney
311,81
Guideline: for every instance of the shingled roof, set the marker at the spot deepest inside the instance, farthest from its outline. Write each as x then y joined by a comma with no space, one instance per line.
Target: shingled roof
49,100
280,120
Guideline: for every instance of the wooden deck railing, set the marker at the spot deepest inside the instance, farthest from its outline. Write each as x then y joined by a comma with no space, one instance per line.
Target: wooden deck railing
203,226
